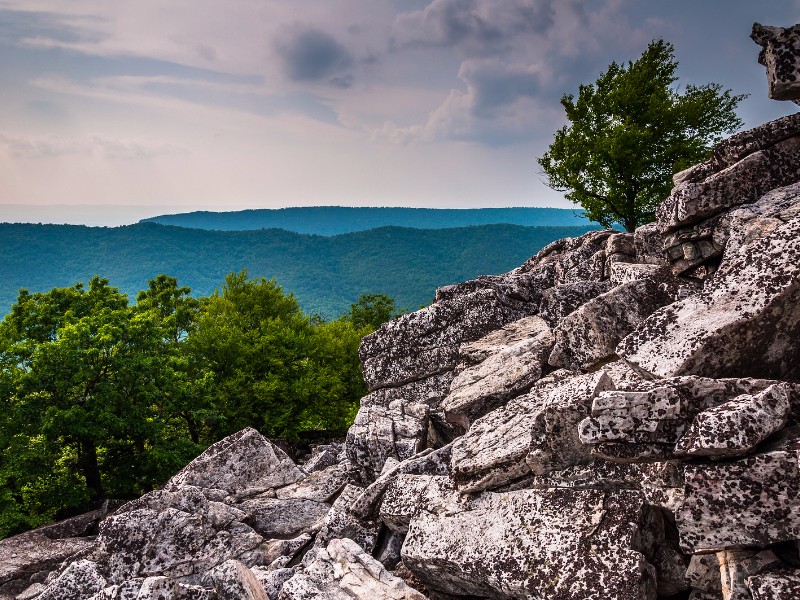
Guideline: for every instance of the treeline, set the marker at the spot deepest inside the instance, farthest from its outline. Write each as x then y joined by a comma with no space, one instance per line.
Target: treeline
107,398
326,274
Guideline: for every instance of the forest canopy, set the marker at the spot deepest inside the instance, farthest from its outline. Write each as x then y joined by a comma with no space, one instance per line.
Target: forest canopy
104,398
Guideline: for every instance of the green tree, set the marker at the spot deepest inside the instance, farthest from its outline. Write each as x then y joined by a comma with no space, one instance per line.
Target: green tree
85,385
372,310
630,131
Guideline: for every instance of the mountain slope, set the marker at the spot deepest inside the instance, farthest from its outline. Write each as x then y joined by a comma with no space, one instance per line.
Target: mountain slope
326,274
334,220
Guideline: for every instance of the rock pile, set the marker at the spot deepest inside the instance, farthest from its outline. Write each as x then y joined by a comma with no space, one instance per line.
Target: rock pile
617,418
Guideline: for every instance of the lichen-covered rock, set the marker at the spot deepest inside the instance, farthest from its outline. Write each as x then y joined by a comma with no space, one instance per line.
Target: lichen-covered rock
397,431
743,182
561,300
239,463
738,426
778,585
590,334
81,579
558,544
283,518
321,485
234,581
505,373
735,566
659,412
569,260
410,495
649,245
749,502
424,343
494,450
343,571
745,322
780,54
342,522
703,573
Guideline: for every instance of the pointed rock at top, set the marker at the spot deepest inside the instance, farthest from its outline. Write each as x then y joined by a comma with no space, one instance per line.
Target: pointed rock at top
243,461
780,55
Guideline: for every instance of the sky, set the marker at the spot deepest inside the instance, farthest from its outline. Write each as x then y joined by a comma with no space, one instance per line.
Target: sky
112,111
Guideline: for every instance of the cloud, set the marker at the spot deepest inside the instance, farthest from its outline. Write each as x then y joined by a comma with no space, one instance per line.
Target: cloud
479,25
98,146
313,55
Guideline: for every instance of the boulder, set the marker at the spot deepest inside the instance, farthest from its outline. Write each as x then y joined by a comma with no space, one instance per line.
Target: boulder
561,300
590,334
409,496
283,518
81,579
234,581
735,566
558,544
494,450
343,571
750,502
778,585
505,373
245,462
745,322
780,49
745,181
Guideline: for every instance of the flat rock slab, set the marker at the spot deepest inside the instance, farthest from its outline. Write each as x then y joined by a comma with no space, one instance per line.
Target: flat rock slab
558,544
754,501
507,372
591,333
745,323
494,450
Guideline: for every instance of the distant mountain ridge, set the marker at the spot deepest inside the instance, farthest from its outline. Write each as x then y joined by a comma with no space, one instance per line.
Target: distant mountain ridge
335,220
326,274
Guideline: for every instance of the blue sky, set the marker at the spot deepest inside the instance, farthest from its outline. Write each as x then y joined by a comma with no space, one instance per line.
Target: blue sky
149,106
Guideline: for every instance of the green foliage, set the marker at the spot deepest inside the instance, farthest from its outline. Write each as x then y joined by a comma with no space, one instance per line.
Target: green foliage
630,131
326,274
372,310
100,398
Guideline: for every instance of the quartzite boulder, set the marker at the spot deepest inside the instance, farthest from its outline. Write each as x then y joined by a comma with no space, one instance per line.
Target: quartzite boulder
558,544
494,450
751,502
745,322
505,373
590,335
780,54
779,585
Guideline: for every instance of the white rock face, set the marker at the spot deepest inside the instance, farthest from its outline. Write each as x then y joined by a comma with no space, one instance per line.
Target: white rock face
558,544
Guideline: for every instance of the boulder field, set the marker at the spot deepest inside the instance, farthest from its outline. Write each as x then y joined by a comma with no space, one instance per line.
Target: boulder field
617,418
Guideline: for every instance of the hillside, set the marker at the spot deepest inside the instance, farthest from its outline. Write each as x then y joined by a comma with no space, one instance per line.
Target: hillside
326,274
334,220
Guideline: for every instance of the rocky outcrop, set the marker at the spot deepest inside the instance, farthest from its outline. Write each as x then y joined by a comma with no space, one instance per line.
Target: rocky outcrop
780,55
619,417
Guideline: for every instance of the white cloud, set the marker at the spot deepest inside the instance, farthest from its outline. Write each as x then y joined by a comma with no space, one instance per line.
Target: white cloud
94,145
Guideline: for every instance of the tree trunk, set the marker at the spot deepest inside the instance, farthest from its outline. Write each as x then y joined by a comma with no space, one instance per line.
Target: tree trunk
87,463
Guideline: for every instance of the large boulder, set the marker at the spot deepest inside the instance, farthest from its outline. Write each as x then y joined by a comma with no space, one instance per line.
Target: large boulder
558,544
780,54
745,322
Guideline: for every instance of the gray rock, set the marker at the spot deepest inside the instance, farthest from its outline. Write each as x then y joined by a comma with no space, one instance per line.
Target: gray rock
81,579
342,521
779,585
561,300
411,495
398,431
557,544
751,502
157,588
746,321
234,581
424,343
741,183
239,463
321,485
780,49
738,426
590,335
322,457
569,260
272,580
703,573
494,450
283,518
343,571
504,374
735,566
649,245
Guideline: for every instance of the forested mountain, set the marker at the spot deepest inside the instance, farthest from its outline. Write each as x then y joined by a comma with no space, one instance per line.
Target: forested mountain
326,274
333,220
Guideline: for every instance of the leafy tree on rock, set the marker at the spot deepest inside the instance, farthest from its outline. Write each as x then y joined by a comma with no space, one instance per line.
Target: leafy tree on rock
630,131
